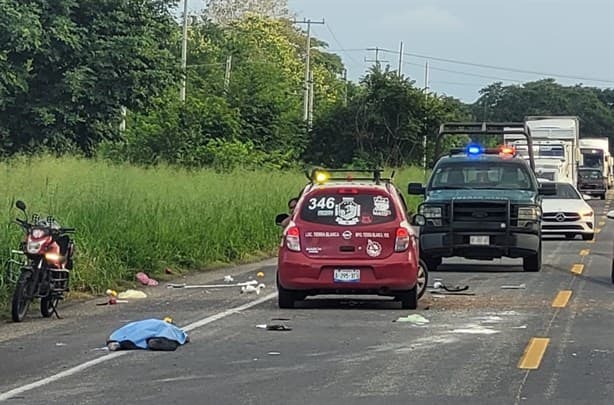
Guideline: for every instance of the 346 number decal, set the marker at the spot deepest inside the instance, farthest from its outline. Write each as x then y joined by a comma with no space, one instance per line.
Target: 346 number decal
322,203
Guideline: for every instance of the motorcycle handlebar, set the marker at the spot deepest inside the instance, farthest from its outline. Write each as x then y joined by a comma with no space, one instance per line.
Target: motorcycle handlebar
67,230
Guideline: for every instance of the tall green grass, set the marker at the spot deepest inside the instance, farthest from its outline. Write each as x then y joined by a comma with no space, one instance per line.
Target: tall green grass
132,219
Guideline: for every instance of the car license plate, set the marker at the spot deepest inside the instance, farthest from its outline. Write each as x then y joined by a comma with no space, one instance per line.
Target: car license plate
479,240
346,276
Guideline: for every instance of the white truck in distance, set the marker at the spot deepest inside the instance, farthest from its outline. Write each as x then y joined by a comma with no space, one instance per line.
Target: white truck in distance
596,155
556,147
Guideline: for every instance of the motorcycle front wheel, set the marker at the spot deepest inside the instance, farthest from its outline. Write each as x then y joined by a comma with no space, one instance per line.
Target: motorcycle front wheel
47,305
21,300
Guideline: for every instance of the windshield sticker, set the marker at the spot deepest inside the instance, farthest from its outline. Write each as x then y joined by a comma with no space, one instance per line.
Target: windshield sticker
321,234
347,235
322,203
374,249
372,235
366,219
326,213
347,212
381,206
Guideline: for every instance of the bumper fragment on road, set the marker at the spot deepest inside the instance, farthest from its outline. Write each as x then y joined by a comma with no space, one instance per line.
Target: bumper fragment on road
561,299
533,354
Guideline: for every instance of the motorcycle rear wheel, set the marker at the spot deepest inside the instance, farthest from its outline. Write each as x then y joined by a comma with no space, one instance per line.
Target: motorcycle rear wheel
21,301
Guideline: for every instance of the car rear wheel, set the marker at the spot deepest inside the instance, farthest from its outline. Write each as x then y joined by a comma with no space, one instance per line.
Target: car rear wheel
285,298
423,278
533,262
409,299
588,236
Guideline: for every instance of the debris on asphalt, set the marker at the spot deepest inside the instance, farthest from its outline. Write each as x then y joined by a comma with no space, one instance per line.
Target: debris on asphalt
60,344
228,279
519,327
152,334
145,279
250,289
112,301
131,294
251,282
438,284
111,293
476,330
275,327
416,319
448,293
514,287
281,319
260,274
273,353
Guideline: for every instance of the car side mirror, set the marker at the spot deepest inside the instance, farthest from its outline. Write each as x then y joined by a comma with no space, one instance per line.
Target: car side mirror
281,218
415,189
547,189
610,214
418,220
21,205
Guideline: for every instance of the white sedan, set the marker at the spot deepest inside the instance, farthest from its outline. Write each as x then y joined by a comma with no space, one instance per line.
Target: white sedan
566,213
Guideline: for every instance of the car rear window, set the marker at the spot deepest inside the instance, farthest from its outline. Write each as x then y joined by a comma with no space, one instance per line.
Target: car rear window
335,208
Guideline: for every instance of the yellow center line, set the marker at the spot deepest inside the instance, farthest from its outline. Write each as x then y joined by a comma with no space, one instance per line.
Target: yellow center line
585,252
601,223
597,230
577,268
534,353
562,298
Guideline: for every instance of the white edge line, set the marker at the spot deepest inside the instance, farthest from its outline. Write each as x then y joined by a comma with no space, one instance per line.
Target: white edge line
74,370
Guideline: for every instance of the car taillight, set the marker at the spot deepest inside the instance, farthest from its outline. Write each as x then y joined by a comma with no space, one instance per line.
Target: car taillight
293,239
402,240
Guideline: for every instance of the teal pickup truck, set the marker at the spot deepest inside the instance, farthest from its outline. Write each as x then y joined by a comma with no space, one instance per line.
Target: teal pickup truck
481,203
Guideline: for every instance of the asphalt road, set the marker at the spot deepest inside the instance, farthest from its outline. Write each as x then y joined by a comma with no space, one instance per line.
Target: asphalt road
499,346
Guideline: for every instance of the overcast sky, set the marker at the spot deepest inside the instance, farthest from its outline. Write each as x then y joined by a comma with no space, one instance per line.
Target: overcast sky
564,37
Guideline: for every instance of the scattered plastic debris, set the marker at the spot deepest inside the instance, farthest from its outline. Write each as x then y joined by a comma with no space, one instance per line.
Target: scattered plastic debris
275,327
273,353
228,279
260,274
60,344
519,327
475,330
514,287
250,289
438,284
145,279
415,319
111,293
131,294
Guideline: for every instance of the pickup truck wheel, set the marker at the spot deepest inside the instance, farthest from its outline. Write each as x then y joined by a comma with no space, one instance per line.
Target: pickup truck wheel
409,299
285,298
533,262
431,262
588,236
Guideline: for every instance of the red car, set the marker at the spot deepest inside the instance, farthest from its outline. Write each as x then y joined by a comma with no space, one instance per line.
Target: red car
349,235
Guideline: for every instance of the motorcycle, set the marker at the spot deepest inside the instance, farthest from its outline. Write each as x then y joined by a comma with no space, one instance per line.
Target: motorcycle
46,274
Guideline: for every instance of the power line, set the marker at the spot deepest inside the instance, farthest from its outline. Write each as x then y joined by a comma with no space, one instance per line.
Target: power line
506,69
465,73
340,44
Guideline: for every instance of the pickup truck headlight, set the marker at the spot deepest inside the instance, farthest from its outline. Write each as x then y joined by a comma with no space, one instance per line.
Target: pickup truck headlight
526,215
432,214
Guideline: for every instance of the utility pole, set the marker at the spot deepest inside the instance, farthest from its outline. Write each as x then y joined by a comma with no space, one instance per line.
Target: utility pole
227,74
307,66
426,99
122,124
310,117
345,91
400,59
377,59
184,51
